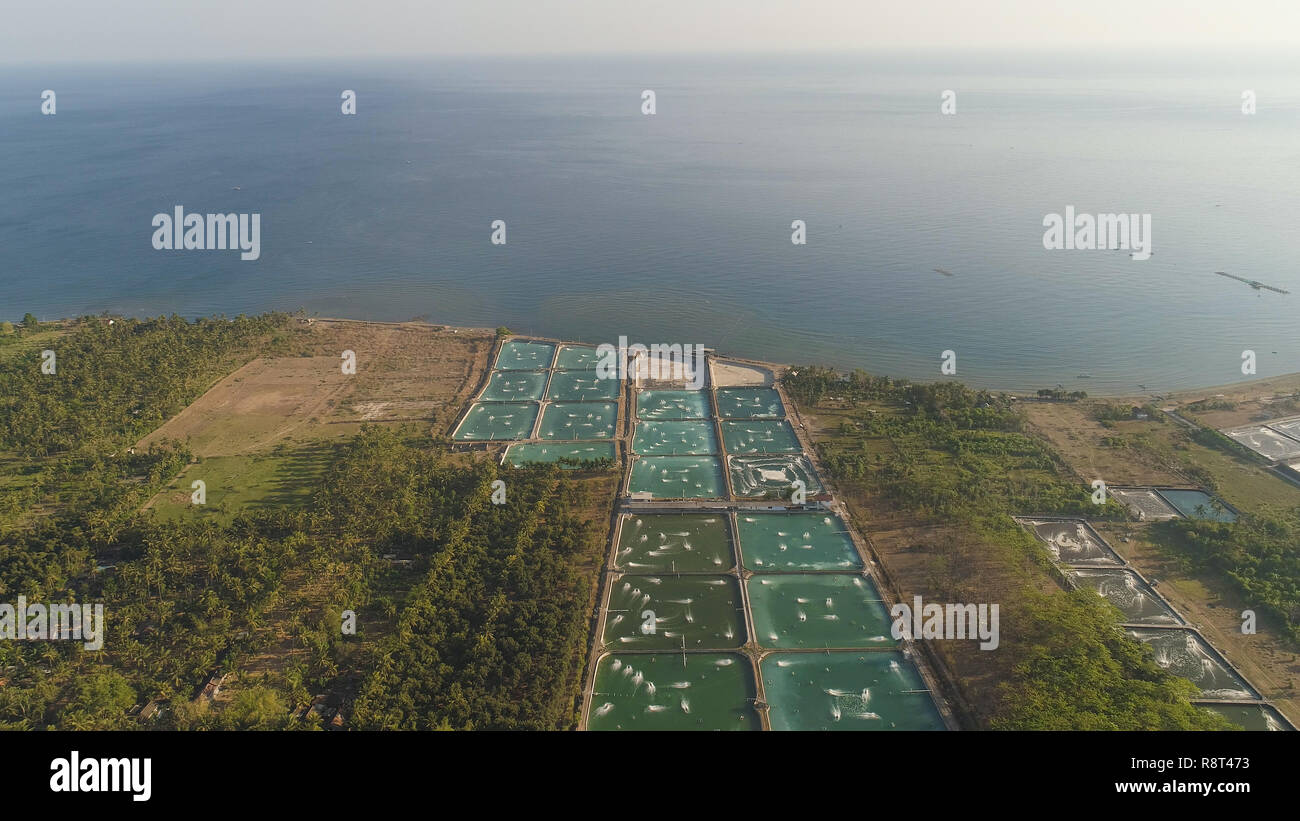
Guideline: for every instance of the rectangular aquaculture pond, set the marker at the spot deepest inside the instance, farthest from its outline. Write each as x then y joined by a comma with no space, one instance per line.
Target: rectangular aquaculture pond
667,612
749,403
578,420
672,405
818,610
775,474
674,542
1126,591
577,358
525,356
759,436
506,386
573,454
795,542
1196,504
675,438
847,691
1264,441
673,691
1144,503
497,421
577,386
678,477
1255,717
1183,653
1074,542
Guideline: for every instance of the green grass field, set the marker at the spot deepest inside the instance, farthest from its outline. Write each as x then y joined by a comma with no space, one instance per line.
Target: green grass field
241,484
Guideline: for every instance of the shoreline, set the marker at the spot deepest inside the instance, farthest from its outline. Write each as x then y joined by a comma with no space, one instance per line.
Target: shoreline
1282,385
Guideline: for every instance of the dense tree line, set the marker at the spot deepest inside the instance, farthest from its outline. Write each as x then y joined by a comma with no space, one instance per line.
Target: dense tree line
1259,554
955,457
490,602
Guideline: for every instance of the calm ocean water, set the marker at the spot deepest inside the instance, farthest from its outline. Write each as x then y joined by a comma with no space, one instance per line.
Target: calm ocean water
676,227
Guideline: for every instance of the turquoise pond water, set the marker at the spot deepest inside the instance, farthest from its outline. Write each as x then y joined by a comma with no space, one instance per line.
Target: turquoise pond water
506,386
749,403
687,438
576,357
678,477
1197,505
808,611
759,436
525,356
847,691
577,386
673,405
497,421
546,452
795,541
578,420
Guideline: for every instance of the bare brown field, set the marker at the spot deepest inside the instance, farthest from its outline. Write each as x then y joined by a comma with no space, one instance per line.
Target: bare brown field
1078,438
405,372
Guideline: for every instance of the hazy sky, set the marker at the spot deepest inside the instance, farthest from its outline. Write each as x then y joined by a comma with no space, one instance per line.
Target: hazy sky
52,31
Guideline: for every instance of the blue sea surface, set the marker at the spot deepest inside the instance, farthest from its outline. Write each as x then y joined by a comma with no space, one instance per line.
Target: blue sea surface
676,227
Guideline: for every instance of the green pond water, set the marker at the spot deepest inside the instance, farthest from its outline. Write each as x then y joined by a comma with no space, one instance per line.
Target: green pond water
1256,717
675,542
698,691
578,420
822,610
753,476
847,691
703,610
1197,505
547,452
795,541
577,357
576,386
1123,589
1183,653
759,436
678,477
674,438
506,386
749,403
673,405
498,421
525,356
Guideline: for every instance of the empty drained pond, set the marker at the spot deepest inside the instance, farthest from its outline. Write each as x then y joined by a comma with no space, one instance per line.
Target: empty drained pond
772,474
1126,591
